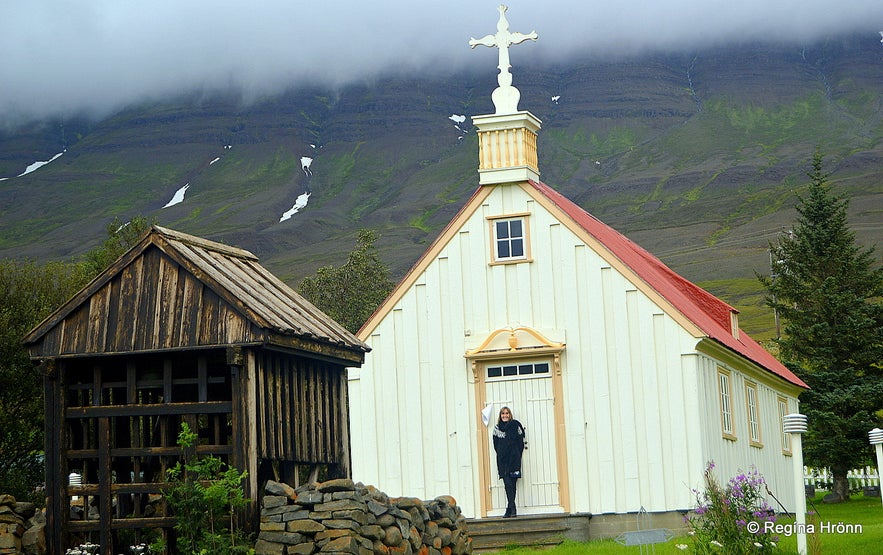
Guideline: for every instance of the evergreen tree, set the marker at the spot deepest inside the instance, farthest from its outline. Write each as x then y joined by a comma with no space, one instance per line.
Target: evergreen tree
827,292
350,294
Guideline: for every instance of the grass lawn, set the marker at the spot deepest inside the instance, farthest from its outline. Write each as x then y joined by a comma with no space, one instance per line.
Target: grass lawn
861,516
860,513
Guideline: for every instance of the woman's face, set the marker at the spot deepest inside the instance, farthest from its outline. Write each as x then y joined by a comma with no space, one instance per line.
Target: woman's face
505,415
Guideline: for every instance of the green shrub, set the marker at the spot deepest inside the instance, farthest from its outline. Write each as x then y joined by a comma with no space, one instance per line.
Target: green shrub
204,495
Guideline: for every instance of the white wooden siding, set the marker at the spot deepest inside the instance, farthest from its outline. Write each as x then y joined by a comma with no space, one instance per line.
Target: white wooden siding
734,457
640,406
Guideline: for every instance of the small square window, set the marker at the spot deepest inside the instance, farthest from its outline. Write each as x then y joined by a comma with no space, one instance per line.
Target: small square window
509,239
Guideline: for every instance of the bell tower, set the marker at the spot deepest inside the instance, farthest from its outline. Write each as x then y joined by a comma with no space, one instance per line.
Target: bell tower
507,139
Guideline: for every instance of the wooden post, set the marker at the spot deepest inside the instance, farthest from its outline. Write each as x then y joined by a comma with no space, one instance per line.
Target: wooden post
56,484
241,365
105,503
343,427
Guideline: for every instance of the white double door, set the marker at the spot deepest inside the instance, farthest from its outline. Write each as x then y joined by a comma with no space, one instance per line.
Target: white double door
530,398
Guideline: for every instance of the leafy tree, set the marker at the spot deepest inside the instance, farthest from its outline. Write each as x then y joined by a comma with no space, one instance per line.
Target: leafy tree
350,294
121,236
828,293
29,292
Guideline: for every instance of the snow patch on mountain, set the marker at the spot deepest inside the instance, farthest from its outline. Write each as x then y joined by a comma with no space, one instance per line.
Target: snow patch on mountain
178,197
300,203
306,163
37,165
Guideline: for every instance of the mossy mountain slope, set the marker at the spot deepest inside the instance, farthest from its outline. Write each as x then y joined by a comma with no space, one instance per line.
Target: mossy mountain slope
696,156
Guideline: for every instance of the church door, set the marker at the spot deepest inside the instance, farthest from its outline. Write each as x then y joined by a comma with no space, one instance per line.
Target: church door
526,387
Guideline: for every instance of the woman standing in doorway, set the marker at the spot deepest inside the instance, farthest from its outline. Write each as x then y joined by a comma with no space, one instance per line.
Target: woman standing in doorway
509,443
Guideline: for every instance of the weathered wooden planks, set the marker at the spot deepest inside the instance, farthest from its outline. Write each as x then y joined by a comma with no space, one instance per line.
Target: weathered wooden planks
300,418
181,329
174,291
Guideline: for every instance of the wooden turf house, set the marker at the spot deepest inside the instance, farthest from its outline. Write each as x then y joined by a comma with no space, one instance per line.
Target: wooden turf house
184,330
628,378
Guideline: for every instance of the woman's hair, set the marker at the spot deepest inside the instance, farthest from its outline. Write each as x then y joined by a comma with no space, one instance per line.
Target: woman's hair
500,416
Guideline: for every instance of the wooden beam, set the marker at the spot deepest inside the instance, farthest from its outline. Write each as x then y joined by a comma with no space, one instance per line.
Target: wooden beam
120,523
314,348
115,489
156,409
150,452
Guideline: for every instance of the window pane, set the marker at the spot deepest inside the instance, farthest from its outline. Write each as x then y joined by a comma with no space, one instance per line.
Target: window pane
541,368
525,369
509,236
726,414
494,372
510,370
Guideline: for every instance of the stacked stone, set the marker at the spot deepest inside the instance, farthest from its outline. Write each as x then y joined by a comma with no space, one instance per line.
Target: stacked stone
21,528
340,517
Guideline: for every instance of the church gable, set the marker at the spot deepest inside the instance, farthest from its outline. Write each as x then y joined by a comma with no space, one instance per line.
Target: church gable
513,240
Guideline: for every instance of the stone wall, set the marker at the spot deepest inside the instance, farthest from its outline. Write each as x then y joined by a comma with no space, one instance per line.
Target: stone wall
339,516
21,528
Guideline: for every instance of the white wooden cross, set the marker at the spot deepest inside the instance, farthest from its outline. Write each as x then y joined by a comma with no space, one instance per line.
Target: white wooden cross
505,96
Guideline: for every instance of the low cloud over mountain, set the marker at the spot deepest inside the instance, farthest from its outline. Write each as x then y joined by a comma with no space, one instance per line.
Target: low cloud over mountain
62,57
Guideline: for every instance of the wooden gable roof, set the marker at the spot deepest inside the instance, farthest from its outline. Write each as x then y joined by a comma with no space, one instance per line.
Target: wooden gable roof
700,312
175,291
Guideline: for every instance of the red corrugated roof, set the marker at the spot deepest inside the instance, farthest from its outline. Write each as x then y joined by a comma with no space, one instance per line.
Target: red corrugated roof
707,312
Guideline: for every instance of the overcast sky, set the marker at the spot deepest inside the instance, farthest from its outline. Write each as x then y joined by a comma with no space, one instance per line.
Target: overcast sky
96,56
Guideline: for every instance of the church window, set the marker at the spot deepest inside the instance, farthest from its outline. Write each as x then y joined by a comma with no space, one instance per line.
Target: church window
754,437
726,404
522,370
510,239
786,438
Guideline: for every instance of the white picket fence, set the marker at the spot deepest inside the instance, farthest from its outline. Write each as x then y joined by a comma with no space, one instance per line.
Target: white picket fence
858,477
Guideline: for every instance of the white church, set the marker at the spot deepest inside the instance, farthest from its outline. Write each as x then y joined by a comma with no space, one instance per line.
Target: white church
628,378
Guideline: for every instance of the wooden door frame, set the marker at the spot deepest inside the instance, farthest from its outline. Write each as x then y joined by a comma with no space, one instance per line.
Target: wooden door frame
520,343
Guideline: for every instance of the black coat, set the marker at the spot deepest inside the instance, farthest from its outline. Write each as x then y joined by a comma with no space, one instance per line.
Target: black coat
509,444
